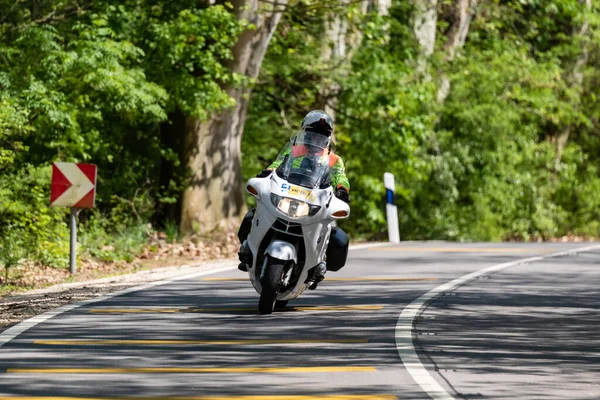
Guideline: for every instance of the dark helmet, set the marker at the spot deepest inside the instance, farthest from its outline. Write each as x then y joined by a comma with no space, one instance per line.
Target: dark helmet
318,121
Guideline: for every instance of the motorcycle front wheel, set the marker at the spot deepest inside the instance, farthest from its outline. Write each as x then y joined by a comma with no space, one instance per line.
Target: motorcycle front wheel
270,283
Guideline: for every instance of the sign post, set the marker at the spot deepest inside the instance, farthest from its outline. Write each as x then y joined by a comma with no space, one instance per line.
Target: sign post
73,247
73,185
391,209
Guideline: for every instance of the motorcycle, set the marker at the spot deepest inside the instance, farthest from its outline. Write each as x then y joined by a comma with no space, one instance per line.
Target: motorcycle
296,208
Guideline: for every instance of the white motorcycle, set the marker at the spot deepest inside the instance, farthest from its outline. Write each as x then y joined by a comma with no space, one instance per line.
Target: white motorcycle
292,224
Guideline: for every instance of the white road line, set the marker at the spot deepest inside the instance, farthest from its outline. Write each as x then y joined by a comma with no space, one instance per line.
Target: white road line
406,321
368,245
18,329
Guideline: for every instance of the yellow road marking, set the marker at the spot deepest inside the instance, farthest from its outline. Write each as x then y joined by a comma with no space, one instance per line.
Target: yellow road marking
262,370
196,342
461,250
225,279
274,397
134,310
377,279
139,310
223,309
331,279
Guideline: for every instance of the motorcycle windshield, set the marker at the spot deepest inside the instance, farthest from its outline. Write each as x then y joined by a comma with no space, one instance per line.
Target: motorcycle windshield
305,161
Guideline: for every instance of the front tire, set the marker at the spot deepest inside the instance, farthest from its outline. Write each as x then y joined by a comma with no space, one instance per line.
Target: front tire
271,283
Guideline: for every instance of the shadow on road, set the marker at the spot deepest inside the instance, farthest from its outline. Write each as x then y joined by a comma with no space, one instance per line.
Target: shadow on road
533,329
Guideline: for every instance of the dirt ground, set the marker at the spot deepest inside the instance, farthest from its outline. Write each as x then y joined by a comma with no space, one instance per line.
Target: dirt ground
33,290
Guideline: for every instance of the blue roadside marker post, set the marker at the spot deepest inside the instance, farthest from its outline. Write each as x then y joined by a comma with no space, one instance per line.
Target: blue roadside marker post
391,209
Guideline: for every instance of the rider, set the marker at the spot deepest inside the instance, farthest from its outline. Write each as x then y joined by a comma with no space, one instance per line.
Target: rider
318,125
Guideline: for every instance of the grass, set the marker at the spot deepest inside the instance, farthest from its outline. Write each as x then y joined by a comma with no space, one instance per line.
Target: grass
105,250
172,231
13,289
123,246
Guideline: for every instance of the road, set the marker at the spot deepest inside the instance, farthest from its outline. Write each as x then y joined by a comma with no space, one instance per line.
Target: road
396,323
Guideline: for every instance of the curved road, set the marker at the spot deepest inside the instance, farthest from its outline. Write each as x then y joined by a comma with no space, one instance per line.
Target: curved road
526,331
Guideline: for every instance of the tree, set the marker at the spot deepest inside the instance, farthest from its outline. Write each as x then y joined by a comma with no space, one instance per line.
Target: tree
92,81
424,22
462,12
342,37
459,14
574,74
214,197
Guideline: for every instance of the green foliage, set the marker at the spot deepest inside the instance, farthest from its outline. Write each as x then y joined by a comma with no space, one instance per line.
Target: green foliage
107,247
511,153
26,214
512,95
386,114
172,231
12,251
484,164
94,82
288,86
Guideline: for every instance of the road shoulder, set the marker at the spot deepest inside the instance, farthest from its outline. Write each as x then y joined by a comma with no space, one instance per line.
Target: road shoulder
19,307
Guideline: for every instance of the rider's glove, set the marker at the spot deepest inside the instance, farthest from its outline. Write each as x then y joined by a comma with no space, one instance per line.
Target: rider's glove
264,173
343,195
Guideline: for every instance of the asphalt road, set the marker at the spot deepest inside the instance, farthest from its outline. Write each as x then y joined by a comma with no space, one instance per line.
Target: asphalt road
523,331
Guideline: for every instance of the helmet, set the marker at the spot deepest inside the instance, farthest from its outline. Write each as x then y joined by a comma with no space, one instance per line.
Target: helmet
318,121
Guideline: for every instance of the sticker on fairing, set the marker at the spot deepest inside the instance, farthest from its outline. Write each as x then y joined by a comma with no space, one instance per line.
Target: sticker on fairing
298,191
285,187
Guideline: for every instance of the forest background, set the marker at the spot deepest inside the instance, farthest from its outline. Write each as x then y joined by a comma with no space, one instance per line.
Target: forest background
486,111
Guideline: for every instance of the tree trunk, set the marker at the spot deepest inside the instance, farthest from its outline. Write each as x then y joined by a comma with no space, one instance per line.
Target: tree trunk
463,13
424,26
383,7
339,46
215,198
333,53
575,79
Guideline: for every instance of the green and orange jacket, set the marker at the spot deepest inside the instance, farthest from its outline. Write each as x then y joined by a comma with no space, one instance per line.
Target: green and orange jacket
338,172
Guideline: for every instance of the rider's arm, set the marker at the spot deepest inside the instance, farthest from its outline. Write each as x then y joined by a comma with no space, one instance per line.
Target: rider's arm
338,176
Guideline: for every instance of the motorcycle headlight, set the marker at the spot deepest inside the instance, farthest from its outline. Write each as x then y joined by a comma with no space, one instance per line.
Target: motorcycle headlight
293,208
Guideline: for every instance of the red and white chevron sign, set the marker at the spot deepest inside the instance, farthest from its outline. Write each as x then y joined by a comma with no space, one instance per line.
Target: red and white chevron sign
73,185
